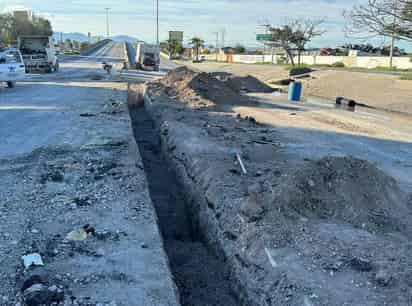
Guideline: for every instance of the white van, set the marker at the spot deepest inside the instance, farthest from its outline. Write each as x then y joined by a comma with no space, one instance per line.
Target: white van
12,67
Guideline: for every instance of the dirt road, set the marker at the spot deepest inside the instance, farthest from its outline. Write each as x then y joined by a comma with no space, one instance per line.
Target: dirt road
74,192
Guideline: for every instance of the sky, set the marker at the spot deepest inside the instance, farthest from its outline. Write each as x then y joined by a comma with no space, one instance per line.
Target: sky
239,19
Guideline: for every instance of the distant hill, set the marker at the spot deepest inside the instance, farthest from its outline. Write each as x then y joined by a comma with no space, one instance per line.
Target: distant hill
82,37
72,36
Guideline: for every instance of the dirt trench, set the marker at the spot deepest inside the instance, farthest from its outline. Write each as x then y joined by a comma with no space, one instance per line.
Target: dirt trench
201,277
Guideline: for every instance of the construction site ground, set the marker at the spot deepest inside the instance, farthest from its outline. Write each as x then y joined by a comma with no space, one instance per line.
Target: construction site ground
377,89
201,190
304,204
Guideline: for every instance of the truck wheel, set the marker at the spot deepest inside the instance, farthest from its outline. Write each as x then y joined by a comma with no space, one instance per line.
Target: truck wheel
56,67
49,69
11,84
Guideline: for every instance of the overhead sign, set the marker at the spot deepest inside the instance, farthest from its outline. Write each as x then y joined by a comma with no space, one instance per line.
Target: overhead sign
176,35
264,37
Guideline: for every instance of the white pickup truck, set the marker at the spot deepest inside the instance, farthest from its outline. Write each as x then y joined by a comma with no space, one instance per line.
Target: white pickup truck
39,53
12,67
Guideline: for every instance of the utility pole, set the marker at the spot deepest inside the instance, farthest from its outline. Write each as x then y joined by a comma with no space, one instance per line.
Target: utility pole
223,37
107,22
217,47
157,22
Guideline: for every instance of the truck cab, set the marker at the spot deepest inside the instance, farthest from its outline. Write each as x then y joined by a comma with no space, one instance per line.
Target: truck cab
12,67
147,57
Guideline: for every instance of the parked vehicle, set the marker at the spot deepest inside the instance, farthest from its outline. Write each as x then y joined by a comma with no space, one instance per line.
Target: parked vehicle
39,53
12,67
147,57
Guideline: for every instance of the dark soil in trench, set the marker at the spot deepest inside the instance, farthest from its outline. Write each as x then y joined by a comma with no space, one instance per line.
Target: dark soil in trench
202,278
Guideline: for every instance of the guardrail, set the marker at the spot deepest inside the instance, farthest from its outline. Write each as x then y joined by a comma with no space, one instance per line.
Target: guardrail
92,48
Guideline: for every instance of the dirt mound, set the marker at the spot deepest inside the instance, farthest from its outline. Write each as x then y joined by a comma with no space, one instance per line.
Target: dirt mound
349,190
248,84
195,89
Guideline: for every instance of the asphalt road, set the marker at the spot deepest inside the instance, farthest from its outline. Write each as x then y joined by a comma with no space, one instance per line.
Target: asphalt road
43,110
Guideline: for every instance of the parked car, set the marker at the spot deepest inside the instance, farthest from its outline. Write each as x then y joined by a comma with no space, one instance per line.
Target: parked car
12,67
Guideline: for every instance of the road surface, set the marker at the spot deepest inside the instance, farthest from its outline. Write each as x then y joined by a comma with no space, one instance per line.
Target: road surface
68,159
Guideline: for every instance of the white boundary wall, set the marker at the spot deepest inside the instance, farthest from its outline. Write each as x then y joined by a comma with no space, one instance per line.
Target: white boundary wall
349,61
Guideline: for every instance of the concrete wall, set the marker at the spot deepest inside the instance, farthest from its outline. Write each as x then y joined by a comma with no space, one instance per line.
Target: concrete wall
349,61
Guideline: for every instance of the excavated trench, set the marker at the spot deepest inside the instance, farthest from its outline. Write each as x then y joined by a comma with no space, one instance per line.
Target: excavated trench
201,277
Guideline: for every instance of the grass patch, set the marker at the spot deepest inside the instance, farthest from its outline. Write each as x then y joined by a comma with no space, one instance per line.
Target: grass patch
406,77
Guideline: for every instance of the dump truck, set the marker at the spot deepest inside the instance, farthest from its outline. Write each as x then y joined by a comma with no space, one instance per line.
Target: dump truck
39,53
12,68
147,57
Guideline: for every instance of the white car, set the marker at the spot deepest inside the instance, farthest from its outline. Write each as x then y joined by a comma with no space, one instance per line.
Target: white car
12,67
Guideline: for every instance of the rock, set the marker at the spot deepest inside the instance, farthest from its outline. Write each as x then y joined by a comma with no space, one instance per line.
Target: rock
252,208
32,280
36,295
77,235
383,277
361,264
311,183
39,294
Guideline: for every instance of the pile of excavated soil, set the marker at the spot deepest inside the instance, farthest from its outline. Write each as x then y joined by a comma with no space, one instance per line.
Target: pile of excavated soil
347,190
199,89
248,84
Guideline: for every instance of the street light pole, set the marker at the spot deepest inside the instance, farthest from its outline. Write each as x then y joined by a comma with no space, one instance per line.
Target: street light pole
107,22
217,47
157,22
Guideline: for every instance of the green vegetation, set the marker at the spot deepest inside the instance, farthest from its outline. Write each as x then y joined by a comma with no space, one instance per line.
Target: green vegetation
197,43
299,70
338,65
407,77
11,28
239,49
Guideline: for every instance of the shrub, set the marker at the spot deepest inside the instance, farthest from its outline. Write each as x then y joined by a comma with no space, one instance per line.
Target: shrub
299,70
338,65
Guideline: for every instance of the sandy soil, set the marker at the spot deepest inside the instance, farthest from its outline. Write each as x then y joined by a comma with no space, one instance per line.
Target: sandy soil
378,90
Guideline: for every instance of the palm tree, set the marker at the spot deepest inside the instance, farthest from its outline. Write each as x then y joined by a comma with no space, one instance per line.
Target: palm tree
197,43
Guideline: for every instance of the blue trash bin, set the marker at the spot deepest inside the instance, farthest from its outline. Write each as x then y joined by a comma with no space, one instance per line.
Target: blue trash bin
295,91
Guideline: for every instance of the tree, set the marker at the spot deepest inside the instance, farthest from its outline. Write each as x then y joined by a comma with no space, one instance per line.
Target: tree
174,47
283,37
388,18
239,49
6,27
294,36
304,31
197,43
11,28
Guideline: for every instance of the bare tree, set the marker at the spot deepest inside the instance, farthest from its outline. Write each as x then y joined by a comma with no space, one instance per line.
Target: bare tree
304,31
388,18
295,35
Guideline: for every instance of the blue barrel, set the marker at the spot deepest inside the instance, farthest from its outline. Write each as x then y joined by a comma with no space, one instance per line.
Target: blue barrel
295,91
